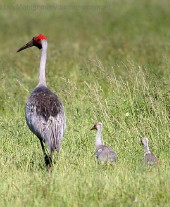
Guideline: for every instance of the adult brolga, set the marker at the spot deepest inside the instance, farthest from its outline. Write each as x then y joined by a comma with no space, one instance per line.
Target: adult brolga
45,115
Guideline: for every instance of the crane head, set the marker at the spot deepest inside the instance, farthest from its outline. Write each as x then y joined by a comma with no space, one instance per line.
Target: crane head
97,126
36,41
144,141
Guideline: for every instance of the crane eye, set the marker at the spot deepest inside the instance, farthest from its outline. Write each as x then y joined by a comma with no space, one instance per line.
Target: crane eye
37,40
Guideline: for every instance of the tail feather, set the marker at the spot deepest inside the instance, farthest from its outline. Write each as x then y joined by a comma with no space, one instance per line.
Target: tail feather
54,134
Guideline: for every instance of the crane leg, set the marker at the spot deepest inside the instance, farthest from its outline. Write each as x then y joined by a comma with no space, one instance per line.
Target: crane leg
47,159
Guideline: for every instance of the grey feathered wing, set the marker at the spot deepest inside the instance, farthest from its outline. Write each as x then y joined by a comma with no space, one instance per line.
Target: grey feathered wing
45,117
54,132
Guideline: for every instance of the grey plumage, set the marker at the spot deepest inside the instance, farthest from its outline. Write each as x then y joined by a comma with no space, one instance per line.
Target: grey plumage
149,158
45,115
103,153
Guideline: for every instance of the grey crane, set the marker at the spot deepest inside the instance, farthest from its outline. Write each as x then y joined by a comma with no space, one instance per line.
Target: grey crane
45,115
104,153
149,158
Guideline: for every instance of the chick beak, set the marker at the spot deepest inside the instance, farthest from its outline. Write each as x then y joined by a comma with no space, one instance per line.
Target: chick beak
93,128
29,44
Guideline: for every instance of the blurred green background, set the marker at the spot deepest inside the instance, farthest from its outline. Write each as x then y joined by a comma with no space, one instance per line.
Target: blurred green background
108,61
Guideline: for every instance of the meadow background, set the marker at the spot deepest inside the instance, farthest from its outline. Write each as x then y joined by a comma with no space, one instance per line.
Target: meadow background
108,61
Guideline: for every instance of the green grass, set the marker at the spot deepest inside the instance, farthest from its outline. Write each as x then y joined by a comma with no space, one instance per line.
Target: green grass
108,61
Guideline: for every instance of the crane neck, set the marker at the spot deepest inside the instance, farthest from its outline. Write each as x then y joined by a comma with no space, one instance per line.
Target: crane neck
98,137
42,79
146,149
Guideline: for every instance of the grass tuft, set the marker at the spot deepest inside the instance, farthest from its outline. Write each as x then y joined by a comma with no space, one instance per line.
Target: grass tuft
108,61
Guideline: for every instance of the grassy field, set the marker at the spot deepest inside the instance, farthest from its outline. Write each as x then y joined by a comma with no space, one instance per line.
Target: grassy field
108,61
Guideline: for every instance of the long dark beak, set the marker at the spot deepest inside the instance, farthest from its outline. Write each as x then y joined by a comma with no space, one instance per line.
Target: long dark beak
93,128
29,44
